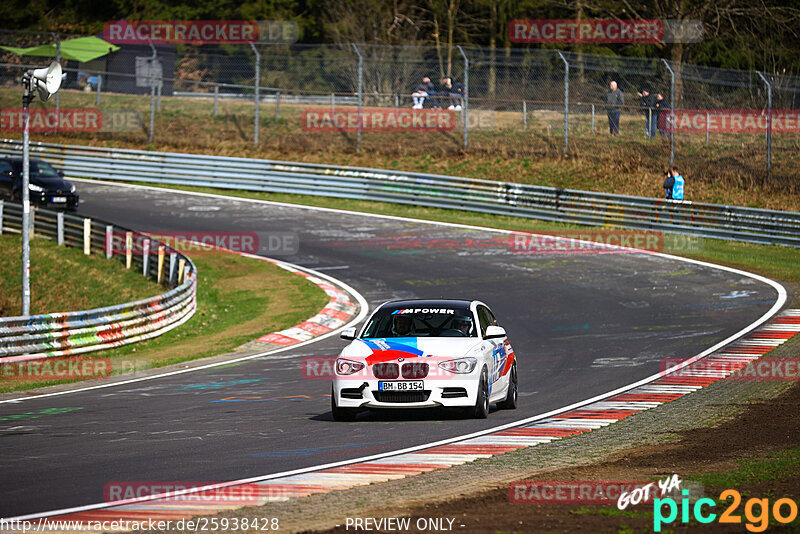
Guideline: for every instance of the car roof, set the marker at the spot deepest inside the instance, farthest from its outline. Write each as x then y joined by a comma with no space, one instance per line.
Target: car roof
428,303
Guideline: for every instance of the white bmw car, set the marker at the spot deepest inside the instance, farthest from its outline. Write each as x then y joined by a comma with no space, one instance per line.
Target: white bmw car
423,354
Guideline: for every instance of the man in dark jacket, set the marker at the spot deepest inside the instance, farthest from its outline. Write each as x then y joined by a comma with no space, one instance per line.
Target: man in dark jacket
422,93
648,104
614,102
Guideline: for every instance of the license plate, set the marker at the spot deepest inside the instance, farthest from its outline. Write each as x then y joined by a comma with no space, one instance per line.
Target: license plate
59,199
411,385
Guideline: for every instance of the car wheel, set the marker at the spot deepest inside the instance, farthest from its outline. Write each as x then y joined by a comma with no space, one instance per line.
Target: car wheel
342,414
511,398
481,408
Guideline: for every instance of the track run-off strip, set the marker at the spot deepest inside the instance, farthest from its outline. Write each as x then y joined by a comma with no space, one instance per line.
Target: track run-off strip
671,385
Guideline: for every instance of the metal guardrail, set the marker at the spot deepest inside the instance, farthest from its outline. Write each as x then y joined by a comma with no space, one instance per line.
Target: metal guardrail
484,196
62,334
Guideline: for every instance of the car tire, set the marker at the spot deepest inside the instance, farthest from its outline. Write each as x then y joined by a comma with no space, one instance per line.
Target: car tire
481,408
342,414
511,397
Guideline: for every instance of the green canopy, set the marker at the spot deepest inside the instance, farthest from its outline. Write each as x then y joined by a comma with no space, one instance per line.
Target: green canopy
81,49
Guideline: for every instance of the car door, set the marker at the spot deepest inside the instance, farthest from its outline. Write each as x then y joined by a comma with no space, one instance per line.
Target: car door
497,351
6,178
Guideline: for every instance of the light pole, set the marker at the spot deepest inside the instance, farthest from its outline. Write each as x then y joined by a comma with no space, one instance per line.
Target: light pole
45,82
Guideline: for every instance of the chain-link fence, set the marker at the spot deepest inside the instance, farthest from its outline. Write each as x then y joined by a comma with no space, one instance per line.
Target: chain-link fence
505,102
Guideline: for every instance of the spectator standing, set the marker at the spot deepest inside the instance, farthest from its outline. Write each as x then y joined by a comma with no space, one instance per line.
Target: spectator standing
614,102
422,93
648,104
669,182
663,109
678,186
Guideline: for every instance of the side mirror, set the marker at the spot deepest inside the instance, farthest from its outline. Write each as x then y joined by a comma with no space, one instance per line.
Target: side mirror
493,332
348,334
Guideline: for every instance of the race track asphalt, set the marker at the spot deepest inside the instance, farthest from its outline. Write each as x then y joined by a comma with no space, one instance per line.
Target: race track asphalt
581,325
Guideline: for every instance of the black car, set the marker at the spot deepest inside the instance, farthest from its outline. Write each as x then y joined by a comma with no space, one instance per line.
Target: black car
47,185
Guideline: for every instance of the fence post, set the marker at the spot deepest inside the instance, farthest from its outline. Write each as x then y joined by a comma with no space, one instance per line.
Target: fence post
707,118
333,103
128,249
671,127
109,241
524,115
1,216
466,98
566,101
32,226
216,98
255,90
160,264
396,103
60,228
87,236
99,89
146,258
152,91
769,123
172,268
360,93
58,93
277,105
592,118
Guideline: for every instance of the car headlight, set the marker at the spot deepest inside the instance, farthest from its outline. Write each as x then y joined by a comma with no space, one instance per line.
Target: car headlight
460,366
72,188
347,367
34,187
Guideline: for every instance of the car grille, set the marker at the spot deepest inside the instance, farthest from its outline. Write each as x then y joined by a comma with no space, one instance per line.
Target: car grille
401,396
415,370
386,371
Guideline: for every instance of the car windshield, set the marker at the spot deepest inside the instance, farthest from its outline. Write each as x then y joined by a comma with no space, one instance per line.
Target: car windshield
421,322
40,169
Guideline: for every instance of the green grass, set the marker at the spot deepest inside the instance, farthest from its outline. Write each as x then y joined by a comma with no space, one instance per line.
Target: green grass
64,279
773,466
238,300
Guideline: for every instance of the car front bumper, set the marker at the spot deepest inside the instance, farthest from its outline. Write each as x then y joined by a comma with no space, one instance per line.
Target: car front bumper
364,393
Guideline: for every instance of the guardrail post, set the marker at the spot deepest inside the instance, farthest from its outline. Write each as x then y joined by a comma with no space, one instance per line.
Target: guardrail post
60,228
99,89
128,249
769,122
146,258
87,236
216,97
566,101
1,216
173,257
160,276
671,127
360,93
181,266
255,91
109,241
524,115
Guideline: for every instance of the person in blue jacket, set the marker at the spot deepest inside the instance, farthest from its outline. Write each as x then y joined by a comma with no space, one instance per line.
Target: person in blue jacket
674,184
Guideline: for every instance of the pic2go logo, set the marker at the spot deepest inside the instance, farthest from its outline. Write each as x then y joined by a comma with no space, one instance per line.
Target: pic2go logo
756,522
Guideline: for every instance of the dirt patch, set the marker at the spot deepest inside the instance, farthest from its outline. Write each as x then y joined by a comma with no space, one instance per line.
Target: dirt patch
763,428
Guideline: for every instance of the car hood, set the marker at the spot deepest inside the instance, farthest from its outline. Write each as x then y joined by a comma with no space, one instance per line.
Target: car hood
51,183
388,349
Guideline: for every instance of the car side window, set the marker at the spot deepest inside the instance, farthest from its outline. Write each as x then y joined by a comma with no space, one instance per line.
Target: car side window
483,319
6,170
